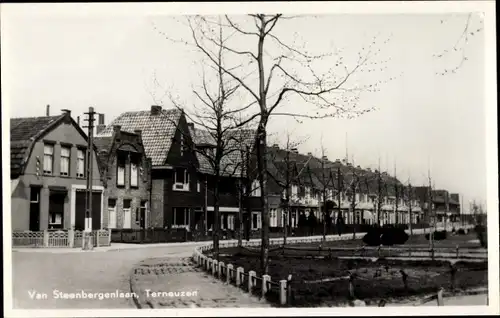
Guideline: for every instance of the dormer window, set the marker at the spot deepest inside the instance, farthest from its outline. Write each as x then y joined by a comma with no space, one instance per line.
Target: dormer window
181,180
256,188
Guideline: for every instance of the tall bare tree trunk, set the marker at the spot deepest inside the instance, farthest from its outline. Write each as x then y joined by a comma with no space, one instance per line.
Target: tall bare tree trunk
216,226
262,166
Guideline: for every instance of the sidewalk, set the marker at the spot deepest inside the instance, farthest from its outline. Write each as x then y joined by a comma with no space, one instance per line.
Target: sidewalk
176,282
127,246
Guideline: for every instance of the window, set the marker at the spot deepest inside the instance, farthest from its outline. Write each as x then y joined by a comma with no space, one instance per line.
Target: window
65,160
80,163
134,175
120,171
127,217
295,190
112,213
34,195
198,186
180,217
256,188
181,180
356,197
48,159
256,220
273,218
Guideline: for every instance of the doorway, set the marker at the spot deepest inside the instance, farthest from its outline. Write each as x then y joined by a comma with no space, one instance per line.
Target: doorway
56,210
34,209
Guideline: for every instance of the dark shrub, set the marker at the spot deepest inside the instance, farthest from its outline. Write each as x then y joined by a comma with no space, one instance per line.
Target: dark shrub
392,236
482,235
437,235
372,237
461,232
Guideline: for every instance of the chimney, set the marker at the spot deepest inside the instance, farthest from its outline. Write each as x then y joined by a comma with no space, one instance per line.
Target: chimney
309,154
155,110
47,111
100,124
369,169
276,146
191,126
116,131
337,160
66,112
294,150
325,158
358,166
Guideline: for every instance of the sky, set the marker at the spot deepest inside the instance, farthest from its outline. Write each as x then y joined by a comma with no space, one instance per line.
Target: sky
423,122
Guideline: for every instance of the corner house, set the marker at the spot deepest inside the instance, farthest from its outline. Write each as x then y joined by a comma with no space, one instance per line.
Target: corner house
48,176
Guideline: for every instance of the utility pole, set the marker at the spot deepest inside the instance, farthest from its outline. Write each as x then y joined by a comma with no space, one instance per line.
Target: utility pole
433,219
339,191
87,239
379,194
410,196
396,188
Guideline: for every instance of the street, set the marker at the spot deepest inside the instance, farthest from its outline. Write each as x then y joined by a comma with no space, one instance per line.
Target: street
38,272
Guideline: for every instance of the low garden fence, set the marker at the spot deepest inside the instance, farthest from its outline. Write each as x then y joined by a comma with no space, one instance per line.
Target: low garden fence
151,235
59,238
280,291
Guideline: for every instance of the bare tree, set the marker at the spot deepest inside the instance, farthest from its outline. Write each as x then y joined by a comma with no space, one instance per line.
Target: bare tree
293,72
219,124
472,26
283,176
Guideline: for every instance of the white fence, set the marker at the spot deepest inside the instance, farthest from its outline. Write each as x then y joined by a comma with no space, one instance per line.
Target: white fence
67,238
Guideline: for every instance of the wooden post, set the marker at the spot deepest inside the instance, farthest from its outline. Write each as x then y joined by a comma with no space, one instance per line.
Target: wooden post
109,237
214,267
221,268
209,264
239,273
229,272
251,278
265,280
45,238
283,291
71,238
456,251
351,286
289,290
98,235
440,297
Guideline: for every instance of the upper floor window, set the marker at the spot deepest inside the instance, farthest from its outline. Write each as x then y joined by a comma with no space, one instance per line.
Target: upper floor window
65,160
48,159
80,163
120,171
181,180
295,190
256,188
134,174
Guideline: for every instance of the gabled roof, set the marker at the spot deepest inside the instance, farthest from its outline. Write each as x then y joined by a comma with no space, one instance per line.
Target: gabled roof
236,143
157,130
24,132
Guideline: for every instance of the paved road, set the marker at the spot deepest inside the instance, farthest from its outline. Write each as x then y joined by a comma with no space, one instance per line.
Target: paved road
91,272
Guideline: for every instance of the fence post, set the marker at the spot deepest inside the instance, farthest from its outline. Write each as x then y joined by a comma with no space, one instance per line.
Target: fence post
45,238
209,264
71,238
98,235
289,289
457,251
251,277
351,286
283,291
265,280
239,272
215,265
229,272
440,297
221,266
109,237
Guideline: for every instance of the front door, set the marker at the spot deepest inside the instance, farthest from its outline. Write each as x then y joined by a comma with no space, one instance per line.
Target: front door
56,210
80,210
35,209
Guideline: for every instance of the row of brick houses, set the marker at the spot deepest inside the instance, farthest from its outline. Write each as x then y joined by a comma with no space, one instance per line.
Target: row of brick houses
149,172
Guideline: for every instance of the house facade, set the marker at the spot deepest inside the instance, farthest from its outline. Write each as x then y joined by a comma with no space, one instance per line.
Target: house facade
125,172
48,175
